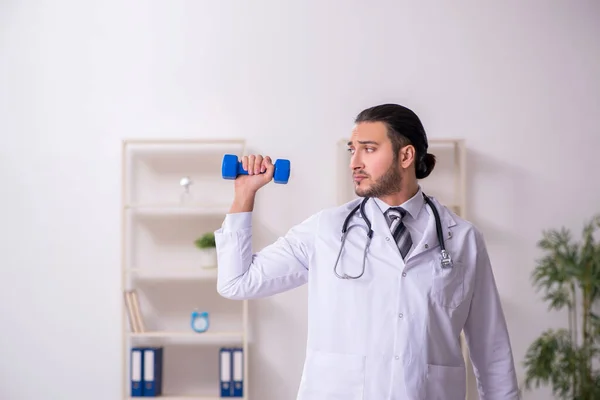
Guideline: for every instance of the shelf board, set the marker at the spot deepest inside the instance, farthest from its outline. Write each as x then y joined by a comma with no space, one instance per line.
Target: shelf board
164,274
176,209
169,146
445,141
191,336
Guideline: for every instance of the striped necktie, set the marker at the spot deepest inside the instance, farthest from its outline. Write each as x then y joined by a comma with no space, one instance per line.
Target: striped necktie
399,231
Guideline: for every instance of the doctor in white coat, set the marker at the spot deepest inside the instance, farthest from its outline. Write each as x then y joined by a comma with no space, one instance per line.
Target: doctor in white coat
385,314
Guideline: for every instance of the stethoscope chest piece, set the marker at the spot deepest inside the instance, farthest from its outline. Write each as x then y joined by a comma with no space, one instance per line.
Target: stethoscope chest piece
446,260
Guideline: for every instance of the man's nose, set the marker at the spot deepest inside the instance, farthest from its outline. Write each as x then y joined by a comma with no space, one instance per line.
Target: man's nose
356,162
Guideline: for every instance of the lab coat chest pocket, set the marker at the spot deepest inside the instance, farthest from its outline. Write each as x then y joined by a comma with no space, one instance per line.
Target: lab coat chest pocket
447,287
332,376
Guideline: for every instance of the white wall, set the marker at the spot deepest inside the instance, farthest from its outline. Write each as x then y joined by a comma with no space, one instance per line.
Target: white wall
518,81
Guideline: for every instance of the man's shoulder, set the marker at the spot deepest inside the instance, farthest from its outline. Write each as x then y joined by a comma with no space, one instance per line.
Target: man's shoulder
457,218
334,212
341,209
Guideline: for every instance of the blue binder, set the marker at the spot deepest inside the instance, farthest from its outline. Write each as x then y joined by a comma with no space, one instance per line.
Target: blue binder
153,371
136,369
238,372
225,371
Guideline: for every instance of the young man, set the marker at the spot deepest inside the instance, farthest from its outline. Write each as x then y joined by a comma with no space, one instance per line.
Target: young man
386,312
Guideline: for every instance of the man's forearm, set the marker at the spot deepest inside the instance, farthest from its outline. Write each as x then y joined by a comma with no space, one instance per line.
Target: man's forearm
243,202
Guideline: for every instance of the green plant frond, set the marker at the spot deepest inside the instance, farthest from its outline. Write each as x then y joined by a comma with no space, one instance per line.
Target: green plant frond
556,242
589,388
588,231
560,261
595,325
594,386
558,298
589,245
206,241
548,272
554,238
589,258
594,274
545,356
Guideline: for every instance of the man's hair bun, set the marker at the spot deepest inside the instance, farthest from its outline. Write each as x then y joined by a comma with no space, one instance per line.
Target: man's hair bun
425,166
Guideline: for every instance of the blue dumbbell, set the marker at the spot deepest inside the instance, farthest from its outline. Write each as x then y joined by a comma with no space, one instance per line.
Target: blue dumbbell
232,167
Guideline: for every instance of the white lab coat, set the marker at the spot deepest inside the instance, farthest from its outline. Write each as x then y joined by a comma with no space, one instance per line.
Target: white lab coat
395,332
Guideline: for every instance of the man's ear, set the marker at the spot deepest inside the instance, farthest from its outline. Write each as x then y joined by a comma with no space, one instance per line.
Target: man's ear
407,156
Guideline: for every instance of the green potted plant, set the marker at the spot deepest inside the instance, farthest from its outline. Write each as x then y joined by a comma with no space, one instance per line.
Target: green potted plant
569,275
208,251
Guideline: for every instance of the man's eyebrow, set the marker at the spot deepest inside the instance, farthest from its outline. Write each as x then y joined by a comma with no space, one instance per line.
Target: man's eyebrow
363,142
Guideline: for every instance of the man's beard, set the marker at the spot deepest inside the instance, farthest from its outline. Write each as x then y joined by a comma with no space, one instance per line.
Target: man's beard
389,183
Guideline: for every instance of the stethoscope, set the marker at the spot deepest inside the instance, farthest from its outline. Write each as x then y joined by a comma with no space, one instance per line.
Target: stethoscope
446,260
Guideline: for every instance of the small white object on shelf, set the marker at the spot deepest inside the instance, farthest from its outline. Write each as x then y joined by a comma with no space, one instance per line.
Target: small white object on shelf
186,196
200,321
208,258
207,251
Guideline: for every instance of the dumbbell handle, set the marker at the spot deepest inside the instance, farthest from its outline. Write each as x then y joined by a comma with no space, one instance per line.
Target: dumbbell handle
241,170
232,167
239,167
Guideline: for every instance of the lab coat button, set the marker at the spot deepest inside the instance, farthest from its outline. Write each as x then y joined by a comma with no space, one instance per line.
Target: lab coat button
397,357
400,315
404,274
426,246
387,238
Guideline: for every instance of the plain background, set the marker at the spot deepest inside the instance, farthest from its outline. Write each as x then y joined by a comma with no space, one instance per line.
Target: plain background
518,80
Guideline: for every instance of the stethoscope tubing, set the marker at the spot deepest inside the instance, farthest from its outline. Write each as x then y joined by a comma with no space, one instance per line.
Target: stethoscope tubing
446,261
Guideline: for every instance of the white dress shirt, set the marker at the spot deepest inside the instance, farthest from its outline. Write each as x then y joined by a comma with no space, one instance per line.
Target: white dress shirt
416,218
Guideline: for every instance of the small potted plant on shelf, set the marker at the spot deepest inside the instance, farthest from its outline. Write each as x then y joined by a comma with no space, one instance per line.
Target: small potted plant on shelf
208,250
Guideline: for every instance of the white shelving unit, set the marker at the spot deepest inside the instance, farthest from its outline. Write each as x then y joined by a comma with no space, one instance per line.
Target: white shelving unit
161,263
447,183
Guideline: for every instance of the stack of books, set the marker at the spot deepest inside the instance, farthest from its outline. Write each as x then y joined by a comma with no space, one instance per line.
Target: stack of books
132,304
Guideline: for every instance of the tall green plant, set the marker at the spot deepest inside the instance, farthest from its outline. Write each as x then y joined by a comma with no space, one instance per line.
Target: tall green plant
569,276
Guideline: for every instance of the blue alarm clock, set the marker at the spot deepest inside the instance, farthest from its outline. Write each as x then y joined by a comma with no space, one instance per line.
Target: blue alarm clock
199,321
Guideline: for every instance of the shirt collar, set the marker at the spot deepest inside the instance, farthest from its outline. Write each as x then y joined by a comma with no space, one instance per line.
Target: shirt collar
412,206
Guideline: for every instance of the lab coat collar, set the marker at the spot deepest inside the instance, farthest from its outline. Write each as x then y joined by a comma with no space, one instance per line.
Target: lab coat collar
446,217
380,226
376,208
430,237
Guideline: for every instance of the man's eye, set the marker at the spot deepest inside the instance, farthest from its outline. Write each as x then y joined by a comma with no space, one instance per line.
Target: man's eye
370,149
351,151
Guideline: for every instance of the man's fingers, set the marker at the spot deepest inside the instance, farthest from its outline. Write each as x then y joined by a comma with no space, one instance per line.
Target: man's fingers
258,164
270,168
265,164
251,160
